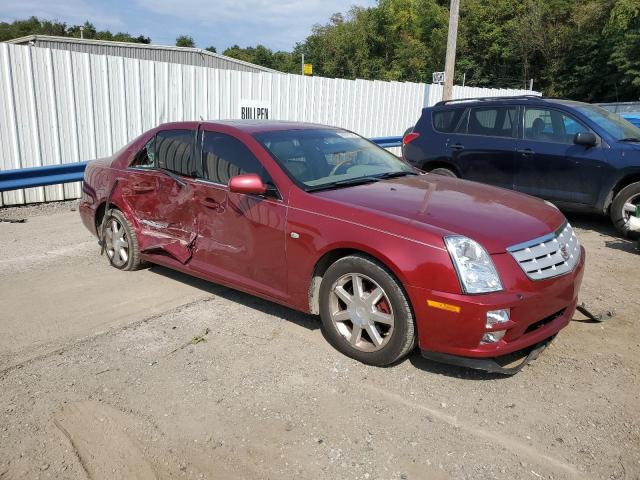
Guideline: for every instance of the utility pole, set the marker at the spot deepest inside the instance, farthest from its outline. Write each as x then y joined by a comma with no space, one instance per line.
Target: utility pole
450,63
302,66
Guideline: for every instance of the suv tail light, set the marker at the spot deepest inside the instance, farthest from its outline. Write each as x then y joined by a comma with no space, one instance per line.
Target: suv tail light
410,137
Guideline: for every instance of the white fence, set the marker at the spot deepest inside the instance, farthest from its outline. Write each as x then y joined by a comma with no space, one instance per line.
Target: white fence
60,106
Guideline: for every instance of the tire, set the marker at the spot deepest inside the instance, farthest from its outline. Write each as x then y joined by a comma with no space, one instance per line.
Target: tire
445,172
619,216
119,238
390,316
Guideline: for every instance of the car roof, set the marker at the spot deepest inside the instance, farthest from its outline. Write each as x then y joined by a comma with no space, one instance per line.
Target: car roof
257,126
248,126
533,99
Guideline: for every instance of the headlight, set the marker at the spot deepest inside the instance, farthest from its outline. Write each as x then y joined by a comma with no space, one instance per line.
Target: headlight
474,265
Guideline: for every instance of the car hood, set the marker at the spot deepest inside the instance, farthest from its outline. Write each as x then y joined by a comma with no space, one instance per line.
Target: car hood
495,217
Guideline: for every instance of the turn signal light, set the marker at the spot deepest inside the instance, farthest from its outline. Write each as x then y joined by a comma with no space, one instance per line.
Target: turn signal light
410,137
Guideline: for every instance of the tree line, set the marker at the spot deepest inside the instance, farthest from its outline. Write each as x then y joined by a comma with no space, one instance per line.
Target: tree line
587,50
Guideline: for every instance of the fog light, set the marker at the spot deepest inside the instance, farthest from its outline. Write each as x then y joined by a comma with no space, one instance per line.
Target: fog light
497,317
492,337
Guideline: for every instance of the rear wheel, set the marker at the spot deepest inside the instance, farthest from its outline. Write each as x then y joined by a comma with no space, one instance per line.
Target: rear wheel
365,313
624,207
445,172
121,243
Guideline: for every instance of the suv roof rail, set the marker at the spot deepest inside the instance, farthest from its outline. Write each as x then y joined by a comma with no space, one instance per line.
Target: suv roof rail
488,99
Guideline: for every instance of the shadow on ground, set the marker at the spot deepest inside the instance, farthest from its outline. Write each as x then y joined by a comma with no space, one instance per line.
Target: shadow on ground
602,225
265,306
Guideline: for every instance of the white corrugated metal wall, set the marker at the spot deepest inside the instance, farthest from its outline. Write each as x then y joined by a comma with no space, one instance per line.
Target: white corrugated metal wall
61,106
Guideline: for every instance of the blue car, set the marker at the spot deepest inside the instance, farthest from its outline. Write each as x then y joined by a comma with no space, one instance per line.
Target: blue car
576,155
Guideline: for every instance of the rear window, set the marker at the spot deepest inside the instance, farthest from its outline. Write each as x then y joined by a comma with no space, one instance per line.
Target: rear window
173,149
493,121
448,121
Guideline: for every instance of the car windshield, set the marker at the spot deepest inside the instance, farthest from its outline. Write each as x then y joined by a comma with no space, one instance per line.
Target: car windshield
331,158
612,123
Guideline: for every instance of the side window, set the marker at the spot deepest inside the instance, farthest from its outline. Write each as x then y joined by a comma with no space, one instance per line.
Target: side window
145,158
493,121
174,151
571,127
449,121
224,156
546,125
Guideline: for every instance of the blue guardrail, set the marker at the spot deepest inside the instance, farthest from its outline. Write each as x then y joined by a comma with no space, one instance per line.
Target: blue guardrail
632,117
74,172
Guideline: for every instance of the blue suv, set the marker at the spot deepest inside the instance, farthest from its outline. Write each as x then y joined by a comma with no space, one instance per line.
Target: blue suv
576,155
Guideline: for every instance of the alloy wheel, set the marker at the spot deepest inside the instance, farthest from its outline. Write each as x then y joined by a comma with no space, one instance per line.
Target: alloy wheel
117,243
361,312
629,208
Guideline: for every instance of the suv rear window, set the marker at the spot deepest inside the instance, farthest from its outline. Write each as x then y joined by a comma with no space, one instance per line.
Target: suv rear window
493,121
446,121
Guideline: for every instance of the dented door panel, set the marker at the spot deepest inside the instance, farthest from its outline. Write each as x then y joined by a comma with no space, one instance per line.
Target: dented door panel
162,209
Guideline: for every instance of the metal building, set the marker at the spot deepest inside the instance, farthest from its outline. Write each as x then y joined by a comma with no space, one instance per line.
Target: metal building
158,53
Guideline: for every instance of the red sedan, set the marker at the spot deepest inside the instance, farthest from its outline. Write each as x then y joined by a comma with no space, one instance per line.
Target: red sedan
323,221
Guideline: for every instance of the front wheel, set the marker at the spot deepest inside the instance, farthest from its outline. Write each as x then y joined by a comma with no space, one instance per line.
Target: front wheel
365,313
624,207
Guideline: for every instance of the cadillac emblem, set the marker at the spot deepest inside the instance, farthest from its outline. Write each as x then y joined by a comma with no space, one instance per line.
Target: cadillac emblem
564,252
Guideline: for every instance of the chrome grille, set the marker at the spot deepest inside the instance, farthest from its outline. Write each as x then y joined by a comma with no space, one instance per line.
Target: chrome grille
549,256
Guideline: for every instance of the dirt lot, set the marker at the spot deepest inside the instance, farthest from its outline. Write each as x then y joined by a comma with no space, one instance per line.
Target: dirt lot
152,374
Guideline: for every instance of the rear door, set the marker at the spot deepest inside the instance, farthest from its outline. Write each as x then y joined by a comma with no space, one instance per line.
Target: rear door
550,165
485,152
159,195
241,237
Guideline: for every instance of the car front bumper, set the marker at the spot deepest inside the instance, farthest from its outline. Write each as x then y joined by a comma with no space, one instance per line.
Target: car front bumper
538,311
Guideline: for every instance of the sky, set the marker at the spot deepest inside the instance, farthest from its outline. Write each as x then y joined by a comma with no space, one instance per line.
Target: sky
218,23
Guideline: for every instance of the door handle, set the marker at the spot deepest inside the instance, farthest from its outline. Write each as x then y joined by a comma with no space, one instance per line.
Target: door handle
456,146
210,203
143,188
527,152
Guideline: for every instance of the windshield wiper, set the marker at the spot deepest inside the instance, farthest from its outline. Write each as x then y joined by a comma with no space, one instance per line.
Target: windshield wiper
395,174
344,183
629,139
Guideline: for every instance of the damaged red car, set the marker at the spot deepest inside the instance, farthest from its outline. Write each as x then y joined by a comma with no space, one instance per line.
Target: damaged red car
323,221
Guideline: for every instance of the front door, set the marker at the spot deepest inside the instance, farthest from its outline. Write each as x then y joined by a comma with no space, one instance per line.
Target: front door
241,238
551,166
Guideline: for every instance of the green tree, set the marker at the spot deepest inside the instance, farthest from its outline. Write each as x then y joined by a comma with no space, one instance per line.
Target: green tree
35,26
185,41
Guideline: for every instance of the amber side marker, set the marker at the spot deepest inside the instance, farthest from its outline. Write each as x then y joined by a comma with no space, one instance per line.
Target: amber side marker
444,306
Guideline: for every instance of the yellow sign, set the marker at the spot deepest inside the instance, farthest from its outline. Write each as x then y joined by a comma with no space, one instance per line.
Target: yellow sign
308,69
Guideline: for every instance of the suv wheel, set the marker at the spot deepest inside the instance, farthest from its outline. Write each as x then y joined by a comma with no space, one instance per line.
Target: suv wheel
445,172
624,207
365,313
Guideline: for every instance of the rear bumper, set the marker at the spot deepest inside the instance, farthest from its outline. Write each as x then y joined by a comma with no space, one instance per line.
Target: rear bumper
539,310
87,208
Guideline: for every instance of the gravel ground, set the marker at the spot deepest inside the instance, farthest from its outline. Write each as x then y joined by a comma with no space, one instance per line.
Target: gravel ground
227,386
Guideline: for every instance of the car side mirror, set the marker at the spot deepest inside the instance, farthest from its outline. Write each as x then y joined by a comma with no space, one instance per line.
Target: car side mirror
586,139
249,183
